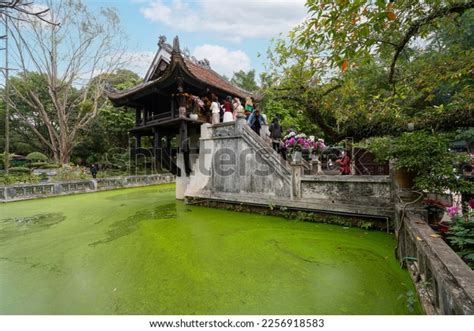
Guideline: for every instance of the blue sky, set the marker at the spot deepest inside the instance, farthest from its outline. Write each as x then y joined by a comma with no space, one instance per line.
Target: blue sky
229,33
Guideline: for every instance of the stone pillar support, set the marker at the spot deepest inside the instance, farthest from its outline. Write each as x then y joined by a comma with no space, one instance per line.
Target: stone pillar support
206,131
239,123
297,173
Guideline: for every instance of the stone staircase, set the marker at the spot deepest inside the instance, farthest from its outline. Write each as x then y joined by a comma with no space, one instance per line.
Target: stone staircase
267,152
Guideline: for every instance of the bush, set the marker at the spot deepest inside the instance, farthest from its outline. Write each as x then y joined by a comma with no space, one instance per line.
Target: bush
19,179
19,170
43,165
37,157
66,173
2,159
36,165
461,237
425,154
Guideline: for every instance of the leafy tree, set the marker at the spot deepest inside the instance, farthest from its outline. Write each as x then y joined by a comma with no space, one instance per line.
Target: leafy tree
109,130
245,80
365,68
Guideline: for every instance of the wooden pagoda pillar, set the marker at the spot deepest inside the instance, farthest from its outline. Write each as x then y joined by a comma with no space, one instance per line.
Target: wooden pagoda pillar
156,146
138,117
138,141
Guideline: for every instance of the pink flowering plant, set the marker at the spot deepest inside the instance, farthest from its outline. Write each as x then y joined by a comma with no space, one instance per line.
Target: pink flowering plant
299,142
453,211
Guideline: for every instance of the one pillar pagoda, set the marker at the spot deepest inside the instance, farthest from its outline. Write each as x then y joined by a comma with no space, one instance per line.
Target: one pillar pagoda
160,105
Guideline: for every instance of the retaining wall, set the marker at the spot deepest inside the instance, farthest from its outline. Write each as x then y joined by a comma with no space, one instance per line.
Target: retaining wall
444,282
43,190
361,195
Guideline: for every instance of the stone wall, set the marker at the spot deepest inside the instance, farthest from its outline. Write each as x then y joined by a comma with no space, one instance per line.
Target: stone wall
361,195
444,282
34,191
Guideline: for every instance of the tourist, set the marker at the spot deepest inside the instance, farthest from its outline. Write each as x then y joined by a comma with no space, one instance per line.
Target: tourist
344,163
238,109
215,111
255,121
93,170
248,107
228,113
207,109
275,134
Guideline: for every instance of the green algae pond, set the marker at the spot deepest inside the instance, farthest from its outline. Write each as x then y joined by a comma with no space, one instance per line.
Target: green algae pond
139,251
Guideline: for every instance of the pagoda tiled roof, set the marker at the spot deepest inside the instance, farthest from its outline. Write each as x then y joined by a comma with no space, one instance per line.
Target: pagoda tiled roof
210,77
197,70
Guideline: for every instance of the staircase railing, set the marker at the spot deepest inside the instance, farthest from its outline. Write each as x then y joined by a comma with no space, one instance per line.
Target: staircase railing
267,151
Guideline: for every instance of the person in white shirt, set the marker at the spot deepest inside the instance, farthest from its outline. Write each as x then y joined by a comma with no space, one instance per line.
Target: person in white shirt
215,110
238,109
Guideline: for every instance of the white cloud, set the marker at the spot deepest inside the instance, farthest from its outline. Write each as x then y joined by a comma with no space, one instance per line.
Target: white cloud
222,60
231,19
139,62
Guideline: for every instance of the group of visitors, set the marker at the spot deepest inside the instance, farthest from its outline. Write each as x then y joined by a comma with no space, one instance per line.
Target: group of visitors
225,111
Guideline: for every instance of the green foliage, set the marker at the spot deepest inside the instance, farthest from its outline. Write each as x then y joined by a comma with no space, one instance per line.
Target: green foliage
66,173
366,225
245,80
466,134
2,159
410,298
19,170
334,67
37,157
461,237
19,179
425,154
43,165
109,130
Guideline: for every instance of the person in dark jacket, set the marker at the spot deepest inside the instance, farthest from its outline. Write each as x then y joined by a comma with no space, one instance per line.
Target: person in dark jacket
275,134
93,171
256,121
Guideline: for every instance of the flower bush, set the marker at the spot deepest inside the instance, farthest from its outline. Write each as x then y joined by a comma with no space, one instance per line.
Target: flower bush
298,142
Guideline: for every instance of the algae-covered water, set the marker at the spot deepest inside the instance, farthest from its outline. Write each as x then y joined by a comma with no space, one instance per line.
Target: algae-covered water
138,251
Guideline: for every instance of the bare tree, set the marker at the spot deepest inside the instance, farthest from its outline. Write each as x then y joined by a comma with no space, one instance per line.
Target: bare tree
67,57
16,9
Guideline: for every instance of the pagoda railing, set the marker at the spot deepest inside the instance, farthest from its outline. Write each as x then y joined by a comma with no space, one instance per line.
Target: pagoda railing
161,117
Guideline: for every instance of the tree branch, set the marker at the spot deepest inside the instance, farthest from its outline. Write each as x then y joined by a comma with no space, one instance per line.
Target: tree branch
413,29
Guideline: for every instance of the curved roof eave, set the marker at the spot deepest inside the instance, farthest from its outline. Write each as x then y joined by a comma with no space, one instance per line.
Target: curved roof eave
195,71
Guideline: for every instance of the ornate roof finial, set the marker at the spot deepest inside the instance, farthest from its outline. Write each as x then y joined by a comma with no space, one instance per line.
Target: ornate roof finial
161,40
176,45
